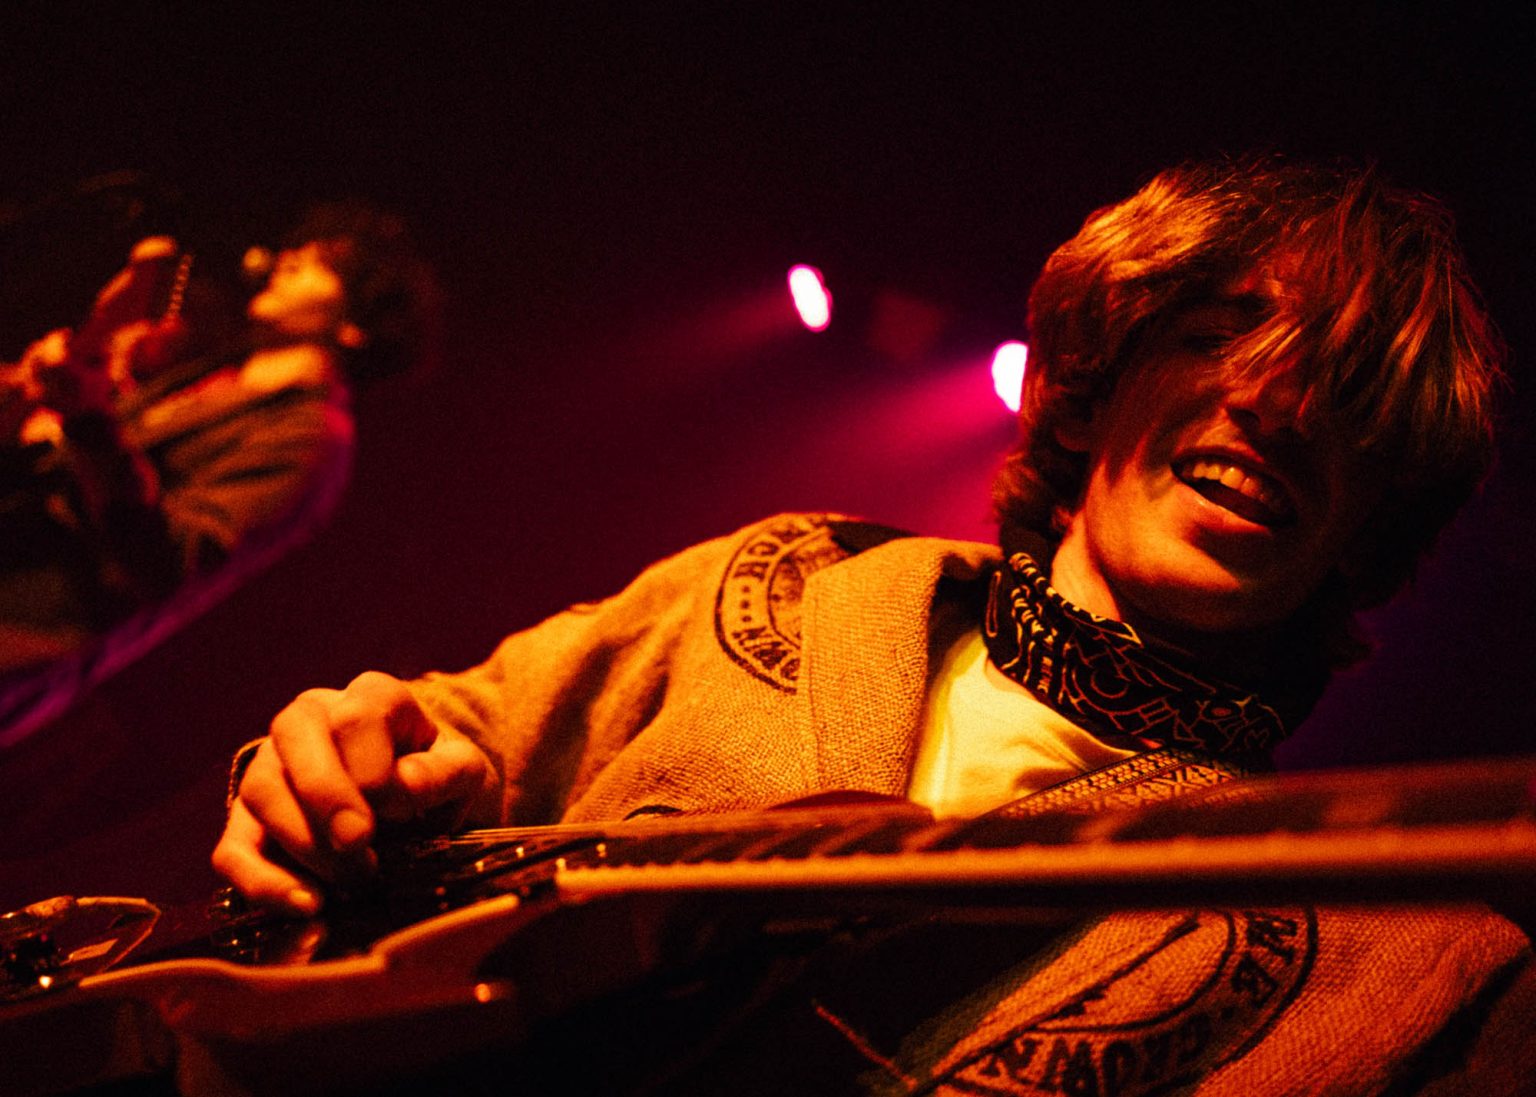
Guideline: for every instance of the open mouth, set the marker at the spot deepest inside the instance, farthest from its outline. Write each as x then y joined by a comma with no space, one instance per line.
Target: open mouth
1247,494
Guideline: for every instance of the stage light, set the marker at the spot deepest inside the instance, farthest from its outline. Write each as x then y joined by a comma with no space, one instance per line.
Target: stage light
1008,372
812,299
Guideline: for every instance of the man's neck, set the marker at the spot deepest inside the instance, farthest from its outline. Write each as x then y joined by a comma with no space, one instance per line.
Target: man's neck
1232,655
1075,578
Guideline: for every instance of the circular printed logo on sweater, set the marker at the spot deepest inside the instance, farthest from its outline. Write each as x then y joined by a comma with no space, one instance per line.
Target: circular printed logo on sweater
757,610
1141,1004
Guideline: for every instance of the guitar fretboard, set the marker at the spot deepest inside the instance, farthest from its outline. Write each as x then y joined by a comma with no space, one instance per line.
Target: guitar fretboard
1434,832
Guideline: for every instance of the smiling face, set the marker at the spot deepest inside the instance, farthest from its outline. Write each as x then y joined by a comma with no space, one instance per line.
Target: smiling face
1212,505
304,297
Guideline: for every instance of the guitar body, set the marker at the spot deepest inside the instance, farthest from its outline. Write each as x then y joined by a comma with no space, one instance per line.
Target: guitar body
459,947
332,1025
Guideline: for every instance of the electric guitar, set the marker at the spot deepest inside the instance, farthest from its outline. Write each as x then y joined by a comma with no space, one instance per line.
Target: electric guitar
143,302
484,939
146,296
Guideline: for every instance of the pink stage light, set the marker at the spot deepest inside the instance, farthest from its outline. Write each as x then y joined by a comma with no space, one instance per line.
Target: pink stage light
812,299
1008,363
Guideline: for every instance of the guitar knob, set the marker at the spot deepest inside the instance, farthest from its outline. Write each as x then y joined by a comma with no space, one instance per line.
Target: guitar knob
228,904
30,959
31,963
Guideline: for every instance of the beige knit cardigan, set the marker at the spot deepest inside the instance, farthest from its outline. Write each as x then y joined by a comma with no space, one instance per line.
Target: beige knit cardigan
775,662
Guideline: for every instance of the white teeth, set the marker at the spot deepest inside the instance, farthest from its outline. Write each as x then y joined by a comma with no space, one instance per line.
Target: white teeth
1235,478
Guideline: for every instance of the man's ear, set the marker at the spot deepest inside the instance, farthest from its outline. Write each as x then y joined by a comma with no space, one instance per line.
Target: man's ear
351,336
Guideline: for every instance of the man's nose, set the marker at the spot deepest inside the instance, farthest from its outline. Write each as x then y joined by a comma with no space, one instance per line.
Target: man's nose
1272,402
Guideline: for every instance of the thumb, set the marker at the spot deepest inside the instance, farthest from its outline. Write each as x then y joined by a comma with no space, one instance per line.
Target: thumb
451,773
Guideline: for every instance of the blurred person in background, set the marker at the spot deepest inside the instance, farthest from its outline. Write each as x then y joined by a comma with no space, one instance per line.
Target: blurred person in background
159,455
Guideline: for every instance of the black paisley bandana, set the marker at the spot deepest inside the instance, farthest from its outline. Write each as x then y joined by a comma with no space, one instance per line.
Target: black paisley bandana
1100,674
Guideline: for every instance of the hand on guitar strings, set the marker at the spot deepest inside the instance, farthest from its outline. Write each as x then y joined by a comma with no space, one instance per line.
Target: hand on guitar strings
335,765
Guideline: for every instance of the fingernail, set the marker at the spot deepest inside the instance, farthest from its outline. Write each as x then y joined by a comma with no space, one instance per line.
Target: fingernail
304,901
349,828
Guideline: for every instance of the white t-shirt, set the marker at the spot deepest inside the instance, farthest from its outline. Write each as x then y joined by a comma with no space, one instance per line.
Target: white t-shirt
987,740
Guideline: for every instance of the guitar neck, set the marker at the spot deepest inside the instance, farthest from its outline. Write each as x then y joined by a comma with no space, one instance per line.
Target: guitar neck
1424,834
152,287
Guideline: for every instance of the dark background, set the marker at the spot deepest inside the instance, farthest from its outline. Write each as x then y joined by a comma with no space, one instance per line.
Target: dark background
612,195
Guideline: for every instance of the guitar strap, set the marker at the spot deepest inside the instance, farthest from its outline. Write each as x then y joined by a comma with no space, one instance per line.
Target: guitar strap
1150,777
